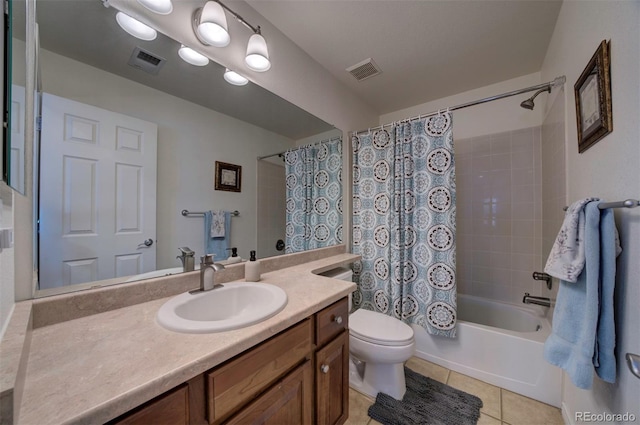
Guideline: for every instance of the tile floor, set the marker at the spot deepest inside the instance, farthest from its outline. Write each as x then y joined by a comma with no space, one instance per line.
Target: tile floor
500,406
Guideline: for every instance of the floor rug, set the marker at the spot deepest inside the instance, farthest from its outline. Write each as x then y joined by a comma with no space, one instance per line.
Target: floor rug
426,402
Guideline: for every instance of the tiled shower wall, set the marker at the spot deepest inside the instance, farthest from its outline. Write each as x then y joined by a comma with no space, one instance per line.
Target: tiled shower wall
499,214
554,192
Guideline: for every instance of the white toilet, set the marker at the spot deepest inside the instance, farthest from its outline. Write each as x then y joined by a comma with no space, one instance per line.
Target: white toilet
378,347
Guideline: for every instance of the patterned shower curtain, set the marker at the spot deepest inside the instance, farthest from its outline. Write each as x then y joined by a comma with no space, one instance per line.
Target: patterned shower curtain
404,222
314,196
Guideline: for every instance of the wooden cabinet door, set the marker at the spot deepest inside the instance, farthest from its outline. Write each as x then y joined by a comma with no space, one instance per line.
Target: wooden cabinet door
171,408
288,402
332,381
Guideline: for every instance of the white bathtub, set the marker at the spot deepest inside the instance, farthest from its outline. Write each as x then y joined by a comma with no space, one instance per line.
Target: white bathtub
497,343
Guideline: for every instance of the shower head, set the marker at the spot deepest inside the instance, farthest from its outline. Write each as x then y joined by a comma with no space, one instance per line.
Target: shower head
528,104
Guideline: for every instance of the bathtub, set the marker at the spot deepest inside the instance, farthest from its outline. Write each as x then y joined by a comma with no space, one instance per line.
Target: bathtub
497,343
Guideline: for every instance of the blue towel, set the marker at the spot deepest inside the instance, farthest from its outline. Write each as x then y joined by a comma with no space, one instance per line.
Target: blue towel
583,334
217,246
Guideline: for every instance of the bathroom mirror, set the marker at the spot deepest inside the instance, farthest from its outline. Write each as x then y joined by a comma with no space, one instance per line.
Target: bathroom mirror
13,159
195,117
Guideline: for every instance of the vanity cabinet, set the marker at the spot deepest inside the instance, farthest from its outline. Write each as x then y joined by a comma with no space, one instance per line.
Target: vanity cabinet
299,376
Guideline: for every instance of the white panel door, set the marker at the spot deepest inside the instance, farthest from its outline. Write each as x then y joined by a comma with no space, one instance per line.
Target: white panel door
97,194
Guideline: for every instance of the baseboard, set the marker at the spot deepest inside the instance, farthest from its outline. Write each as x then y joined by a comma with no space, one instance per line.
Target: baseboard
566,415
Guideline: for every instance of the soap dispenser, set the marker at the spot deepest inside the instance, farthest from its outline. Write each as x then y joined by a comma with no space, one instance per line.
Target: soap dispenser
233,258
252,268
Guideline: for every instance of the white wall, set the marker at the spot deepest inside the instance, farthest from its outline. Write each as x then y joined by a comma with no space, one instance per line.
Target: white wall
7,290
608,170
190,139
489,118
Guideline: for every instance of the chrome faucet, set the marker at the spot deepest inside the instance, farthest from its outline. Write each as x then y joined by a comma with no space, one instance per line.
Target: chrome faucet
543,301
207,272
187,258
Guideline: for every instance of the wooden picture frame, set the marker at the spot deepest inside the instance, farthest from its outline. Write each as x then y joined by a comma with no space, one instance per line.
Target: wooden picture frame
228,177
593,99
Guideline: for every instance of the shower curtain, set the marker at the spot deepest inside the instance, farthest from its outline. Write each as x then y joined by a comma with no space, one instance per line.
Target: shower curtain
314,196
404,222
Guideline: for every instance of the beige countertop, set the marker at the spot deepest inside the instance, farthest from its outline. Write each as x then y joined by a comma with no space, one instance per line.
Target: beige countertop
94,368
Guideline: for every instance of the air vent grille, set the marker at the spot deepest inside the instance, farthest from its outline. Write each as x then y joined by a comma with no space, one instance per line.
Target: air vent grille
365,69
146,61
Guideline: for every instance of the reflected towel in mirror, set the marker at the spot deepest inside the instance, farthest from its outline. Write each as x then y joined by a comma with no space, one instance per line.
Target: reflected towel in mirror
217,224
217,246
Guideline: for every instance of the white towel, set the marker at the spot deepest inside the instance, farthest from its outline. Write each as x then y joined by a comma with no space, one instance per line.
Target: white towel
566,259
217,224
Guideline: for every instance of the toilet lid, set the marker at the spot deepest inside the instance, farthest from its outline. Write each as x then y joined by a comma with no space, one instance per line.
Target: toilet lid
379,328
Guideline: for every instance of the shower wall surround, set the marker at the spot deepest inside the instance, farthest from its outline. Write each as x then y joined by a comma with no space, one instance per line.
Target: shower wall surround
499,214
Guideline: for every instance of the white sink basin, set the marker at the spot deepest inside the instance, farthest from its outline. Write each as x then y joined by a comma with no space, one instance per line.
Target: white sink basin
227,307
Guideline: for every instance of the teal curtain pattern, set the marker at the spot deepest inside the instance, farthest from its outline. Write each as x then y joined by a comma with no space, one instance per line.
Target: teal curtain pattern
404,222
314,196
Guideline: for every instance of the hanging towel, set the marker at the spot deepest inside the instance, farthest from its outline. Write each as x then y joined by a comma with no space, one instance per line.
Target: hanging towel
604,359
217,246
583,331
566,258
218,221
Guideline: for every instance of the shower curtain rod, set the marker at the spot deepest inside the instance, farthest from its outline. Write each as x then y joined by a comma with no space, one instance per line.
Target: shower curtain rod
311,144
557,82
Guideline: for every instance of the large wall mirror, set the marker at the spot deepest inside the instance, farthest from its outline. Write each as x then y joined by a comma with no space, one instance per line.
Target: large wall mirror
14,66
130,137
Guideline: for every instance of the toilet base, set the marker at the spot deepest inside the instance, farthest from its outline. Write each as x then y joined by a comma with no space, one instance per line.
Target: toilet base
369,378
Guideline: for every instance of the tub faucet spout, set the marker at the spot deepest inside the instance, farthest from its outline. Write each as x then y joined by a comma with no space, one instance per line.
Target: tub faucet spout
543,301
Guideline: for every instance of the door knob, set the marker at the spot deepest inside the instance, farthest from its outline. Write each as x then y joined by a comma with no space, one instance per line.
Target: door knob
324,368
146,243
633,361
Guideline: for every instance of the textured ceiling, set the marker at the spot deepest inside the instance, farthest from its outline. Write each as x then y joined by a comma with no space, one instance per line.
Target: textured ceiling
426,49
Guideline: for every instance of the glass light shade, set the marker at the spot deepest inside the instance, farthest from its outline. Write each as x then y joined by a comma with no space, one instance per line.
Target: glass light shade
161,7
135,27
191,56
212,26
234,78
257,57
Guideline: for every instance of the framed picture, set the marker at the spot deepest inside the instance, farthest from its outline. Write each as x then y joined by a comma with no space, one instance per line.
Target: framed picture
593,99
228,177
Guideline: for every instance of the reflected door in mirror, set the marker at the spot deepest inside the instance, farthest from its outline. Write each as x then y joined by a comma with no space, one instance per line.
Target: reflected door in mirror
97,194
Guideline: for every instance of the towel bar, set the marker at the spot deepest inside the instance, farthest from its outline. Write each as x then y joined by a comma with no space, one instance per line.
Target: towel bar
188,213
629,203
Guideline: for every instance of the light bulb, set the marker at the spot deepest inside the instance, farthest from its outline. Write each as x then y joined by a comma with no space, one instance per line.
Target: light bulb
212,25
191,56
257,57
234,78
162,7
135,28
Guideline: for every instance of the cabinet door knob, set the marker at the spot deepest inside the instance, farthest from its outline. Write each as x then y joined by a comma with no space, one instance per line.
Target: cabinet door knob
338,320
324,368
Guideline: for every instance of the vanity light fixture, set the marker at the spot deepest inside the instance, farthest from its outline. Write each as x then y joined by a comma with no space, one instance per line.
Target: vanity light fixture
234,78
135,27
210,25
191,56
257,57
161,7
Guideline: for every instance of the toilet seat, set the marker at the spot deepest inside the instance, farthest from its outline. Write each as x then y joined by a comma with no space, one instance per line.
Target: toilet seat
379,329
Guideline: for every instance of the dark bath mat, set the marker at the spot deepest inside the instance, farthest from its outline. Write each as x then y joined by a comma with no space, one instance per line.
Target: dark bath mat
426,402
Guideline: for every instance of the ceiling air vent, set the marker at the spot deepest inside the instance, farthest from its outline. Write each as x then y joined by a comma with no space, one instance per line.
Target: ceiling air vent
146,61
365,69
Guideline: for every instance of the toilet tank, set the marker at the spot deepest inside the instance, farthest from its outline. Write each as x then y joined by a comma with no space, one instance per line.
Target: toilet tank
340,273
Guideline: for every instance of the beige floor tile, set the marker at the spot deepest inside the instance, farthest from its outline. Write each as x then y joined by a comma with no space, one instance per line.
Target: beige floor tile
488,420
358,408
517,409
428,369
489,394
